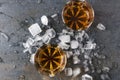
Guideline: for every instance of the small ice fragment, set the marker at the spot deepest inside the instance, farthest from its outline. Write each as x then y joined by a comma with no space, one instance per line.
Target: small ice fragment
30,41
34,29
25,50
86,56
32,58
46,38
39,1
64,38
69,54
64,31
54,15
82,0
79,35
51,33
68,71
76,60
63,45
90,45
105,77
86,69
4,35
37,38
86,77
85,62
74,44
26,45
21,77
44,20
86,36
106,69
76,72
100,26
77,52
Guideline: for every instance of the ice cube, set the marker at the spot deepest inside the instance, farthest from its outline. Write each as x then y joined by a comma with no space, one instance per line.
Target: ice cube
86,77
34,29
74,44
51,32
64,38
76,60
100,26
44,20
68,71
76,72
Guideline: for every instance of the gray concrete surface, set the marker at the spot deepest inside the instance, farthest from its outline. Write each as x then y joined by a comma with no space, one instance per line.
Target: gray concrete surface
14,63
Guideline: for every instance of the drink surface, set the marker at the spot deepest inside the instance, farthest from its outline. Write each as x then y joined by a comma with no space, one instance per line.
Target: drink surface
50,60
78,15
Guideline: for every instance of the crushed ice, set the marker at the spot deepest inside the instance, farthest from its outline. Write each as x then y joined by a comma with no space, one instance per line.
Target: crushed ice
76,44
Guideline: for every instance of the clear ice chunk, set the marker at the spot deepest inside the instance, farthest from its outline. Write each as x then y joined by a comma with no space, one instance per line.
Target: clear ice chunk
74,44
44,20
64,38
86,77
100,26
34,29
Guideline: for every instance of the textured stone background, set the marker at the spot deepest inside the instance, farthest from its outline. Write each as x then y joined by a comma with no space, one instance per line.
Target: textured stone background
14,12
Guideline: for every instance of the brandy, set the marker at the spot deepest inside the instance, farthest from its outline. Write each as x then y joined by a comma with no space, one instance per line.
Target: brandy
50,60
78,15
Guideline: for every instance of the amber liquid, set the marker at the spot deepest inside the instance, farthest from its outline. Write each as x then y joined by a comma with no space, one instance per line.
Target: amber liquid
50,60
78,15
